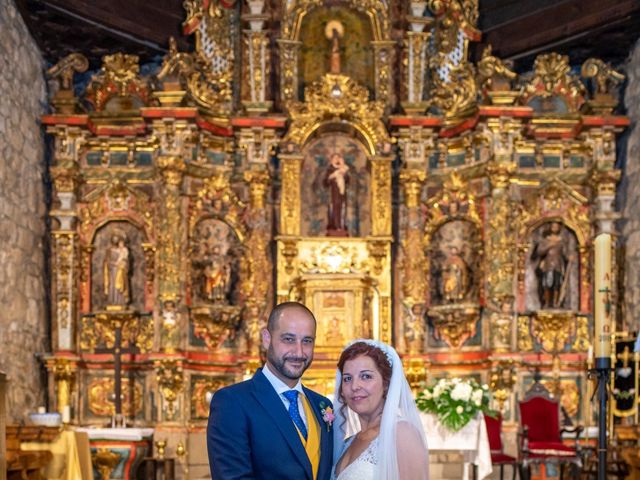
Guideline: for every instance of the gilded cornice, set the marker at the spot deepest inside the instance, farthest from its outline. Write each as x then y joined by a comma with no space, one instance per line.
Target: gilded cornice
336,98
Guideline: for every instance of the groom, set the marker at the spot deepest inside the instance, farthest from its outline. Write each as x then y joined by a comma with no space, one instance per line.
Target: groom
271,427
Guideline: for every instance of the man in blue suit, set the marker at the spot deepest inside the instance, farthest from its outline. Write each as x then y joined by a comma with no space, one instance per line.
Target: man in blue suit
271,427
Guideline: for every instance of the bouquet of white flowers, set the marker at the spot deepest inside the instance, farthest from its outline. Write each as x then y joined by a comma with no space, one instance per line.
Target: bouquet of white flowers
455,401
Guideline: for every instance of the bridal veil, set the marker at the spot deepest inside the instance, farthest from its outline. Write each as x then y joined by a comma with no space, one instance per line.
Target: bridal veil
399,408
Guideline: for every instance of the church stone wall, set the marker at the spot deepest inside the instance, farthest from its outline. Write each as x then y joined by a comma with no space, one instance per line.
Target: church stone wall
629,195
23,320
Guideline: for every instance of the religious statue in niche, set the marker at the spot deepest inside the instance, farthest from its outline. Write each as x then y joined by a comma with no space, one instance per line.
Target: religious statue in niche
453,264
216,278
336,180
551,279
455,277
213,262
116,271
334,187
338,41
334,32
118,267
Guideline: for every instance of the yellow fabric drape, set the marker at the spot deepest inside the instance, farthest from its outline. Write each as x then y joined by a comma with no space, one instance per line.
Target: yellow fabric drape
65,464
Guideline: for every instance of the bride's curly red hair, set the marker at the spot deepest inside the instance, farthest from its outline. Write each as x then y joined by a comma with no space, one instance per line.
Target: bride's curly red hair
377,355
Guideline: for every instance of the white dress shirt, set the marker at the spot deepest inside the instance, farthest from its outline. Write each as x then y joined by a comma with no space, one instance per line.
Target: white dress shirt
280,387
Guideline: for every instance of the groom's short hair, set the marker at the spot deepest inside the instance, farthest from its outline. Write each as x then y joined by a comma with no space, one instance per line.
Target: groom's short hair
279,309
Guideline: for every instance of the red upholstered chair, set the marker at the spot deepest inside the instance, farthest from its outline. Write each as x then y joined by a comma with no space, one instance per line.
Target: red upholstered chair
498,457
540,434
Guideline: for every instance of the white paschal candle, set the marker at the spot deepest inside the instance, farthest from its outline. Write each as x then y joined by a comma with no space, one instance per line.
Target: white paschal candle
602,296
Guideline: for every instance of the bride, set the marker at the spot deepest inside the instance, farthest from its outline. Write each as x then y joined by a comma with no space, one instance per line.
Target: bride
377,431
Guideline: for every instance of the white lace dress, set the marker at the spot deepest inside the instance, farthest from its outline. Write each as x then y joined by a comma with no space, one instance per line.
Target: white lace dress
363,467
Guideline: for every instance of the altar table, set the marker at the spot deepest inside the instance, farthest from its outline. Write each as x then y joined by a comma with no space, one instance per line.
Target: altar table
471,441
130,444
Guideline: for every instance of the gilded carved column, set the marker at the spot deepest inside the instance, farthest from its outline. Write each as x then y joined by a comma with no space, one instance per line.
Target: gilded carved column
170,231
416,60
170,379
259,267
290,194
380,196
500,256
257,73
289,50
604,178
64,375
383,57
415,46
64,239
379,244
62,371
257,60
413,278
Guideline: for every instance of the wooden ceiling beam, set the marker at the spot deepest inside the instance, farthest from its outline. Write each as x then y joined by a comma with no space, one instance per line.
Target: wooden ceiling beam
149,22
560,23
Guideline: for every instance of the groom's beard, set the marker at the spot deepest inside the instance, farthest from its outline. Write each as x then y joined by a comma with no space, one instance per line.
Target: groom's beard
283,365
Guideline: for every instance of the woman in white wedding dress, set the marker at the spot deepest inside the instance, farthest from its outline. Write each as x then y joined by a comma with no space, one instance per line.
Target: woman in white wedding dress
377,432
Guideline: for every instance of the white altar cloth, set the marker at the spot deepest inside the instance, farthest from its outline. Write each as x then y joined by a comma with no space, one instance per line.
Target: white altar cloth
125,434
471,441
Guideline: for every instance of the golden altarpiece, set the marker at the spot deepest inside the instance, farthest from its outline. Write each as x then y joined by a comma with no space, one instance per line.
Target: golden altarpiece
394,187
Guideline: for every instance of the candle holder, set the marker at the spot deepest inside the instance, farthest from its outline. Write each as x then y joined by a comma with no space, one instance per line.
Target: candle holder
602,374
160,447
602,309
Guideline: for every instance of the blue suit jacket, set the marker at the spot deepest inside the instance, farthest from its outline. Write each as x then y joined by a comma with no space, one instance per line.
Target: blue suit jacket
251,436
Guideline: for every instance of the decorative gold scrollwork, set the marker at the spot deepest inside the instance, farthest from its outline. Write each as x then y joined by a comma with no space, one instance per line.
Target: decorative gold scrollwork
502,380
494,79
214,324
553,77
101,397
553,329
336,98
64,100
119,79
170,378
455,324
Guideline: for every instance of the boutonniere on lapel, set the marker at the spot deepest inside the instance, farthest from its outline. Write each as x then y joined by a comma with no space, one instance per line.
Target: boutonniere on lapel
327,414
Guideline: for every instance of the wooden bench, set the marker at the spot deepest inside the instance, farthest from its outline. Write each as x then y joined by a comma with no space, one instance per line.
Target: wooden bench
22,465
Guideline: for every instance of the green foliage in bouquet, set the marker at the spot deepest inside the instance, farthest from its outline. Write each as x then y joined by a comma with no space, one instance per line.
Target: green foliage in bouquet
454,401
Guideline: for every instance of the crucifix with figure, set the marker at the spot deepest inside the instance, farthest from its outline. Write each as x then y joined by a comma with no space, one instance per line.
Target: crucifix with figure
116,319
